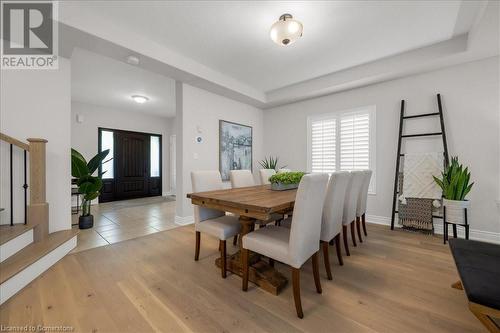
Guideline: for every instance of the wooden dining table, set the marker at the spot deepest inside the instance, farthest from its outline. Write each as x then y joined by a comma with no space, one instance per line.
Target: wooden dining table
250,204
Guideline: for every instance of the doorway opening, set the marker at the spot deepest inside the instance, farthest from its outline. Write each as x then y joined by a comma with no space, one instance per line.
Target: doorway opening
135,170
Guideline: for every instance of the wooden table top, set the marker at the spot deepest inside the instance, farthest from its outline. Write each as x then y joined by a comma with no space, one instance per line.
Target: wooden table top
249,201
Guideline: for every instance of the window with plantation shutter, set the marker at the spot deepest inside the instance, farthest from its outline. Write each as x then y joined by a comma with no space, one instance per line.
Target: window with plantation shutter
323,148
355,141
343,141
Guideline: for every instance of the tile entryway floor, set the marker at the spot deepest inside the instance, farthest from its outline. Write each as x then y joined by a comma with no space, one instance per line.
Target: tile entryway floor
122,220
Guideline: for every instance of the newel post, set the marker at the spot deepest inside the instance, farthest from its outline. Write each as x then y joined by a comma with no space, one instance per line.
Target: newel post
38,209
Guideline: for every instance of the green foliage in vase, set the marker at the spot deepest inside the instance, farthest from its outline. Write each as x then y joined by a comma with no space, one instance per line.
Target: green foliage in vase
88,185
454,181
270,163
287,178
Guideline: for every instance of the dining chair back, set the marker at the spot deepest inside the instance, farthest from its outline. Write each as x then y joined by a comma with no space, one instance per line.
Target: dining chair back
296,245
331,222
352,196
284,170
206,181
213,222
363,198
333,208
350,207
363,193
241,178
265,174
306,220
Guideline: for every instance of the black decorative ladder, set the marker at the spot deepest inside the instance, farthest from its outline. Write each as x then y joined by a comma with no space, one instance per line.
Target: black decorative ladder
399,155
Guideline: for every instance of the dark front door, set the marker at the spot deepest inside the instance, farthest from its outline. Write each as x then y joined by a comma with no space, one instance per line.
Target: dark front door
133,176
132,161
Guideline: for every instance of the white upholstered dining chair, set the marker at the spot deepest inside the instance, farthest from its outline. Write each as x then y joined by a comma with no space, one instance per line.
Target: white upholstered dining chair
284,170
350,206
363,197
210,221
331,222
241,178
293,246
265,174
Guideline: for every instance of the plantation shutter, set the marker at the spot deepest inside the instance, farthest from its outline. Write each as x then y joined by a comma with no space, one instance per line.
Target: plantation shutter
355,141
323,145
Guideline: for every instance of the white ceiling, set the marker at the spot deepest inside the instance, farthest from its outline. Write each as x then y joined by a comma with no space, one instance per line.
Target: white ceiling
232,37
100,80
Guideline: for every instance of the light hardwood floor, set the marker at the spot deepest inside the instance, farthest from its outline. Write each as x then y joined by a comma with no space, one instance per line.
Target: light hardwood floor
393,282
122,220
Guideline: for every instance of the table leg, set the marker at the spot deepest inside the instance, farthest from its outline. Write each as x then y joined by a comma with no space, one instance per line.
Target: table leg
247,225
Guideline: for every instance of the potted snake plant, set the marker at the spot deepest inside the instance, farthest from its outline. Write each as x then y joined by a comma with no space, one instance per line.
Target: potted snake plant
89,186
455,184
271,163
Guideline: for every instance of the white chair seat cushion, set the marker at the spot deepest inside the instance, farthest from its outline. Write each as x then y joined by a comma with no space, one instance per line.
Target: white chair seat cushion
223,227
271,241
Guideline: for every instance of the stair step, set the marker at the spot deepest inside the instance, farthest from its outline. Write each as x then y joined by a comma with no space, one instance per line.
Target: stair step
33,252
8,232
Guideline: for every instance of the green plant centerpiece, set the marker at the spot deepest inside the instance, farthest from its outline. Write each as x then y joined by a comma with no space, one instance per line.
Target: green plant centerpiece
271,163
89,186
455,183
286,180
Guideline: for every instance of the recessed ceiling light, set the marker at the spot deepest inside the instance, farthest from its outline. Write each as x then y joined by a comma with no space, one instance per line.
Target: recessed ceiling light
140,99
286,30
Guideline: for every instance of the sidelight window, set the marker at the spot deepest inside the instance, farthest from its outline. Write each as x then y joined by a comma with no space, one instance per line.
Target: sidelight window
107,142
155,156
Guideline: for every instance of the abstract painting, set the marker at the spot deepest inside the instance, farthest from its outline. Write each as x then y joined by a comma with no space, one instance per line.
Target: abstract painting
235,147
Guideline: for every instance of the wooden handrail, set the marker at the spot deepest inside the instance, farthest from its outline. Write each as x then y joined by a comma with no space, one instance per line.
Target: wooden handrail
15,142
38,208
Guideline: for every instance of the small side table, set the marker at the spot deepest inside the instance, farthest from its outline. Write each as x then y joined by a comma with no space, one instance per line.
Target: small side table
75,192
445,226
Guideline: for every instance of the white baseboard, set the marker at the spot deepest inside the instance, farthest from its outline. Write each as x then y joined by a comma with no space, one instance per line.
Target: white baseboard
15,245
10,287
480,235
375,219
184,220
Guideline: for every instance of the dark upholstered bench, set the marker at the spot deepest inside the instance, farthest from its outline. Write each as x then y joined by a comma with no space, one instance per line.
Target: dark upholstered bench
478,265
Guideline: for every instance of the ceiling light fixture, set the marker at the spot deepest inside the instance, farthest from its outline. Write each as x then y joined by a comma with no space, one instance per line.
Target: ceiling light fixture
140,99
286,30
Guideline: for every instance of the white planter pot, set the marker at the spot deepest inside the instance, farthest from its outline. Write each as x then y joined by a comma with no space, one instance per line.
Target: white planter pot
455,212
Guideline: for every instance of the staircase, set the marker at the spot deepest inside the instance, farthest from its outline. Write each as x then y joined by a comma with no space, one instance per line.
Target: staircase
27,249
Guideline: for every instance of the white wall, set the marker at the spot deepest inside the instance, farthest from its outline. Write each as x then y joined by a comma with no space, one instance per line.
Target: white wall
37,104
471,109
202,109
84,136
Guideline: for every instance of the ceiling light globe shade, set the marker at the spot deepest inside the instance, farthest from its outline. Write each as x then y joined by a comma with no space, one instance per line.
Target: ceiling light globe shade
140,99
286,31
